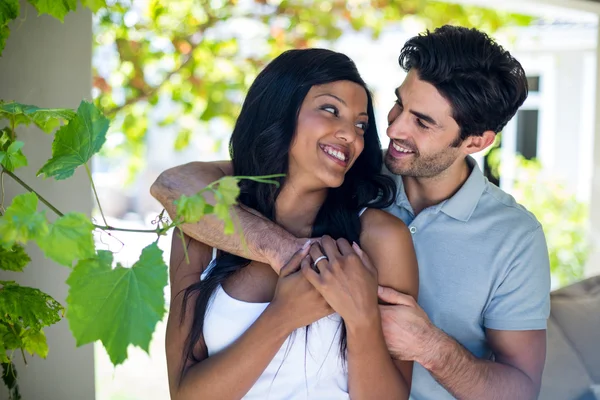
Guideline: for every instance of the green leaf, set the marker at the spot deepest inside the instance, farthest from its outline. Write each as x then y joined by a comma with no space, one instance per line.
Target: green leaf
13,158
5,139
94,5
3,347
9,377
119,306
221,210
22,222
14,259
191,208
229,189
10,336
47,119
4,34
28,307
34,342
76,142
70,238
9,10
56,8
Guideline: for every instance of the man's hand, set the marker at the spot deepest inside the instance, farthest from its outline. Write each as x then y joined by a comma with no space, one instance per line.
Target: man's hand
346,279
408,332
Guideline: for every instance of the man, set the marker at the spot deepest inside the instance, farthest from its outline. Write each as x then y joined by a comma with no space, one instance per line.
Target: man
478,331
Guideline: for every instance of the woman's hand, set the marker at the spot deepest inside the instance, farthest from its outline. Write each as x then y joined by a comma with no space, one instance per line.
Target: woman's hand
296,299
346,279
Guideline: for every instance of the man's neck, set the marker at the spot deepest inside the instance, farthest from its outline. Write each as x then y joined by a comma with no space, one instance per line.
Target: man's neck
427,192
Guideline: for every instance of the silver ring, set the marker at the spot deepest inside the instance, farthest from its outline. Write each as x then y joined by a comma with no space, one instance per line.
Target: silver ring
319,259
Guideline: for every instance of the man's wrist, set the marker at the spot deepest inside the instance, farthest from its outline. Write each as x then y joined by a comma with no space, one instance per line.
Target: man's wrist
438,348
278,254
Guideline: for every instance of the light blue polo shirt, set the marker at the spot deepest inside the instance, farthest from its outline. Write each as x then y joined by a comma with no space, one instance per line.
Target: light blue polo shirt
483,263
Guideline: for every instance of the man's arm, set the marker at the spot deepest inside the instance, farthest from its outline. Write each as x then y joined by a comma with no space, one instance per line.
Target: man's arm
515,374
515,323
263,241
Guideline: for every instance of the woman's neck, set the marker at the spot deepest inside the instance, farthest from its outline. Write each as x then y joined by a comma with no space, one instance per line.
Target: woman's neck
296,208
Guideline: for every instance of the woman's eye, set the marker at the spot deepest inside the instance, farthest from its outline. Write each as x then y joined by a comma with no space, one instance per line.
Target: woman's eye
362,125
331,110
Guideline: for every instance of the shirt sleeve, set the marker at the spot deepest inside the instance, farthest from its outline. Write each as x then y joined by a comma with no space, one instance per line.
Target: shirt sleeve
522,300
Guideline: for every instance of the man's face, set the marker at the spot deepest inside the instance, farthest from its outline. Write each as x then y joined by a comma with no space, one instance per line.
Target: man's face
424,138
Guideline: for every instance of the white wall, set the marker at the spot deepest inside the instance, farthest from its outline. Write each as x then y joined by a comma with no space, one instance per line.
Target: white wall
48,64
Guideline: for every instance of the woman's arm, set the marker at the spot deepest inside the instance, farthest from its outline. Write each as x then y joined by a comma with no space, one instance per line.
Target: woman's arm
349,280
388,243
230,373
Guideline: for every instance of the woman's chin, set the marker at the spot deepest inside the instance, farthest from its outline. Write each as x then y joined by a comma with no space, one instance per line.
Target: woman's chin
334,182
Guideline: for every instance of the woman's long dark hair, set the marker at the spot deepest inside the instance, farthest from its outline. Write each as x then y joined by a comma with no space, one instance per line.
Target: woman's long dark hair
260,144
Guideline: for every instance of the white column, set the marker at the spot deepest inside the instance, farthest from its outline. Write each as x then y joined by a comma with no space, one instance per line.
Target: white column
48,63
593,264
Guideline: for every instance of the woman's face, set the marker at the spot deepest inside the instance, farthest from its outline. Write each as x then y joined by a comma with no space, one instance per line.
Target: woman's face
329,135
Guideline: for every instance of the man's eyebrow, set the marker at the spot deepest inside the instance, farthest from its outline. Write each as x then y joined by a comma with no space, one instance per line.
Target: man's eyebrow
420,115
338,99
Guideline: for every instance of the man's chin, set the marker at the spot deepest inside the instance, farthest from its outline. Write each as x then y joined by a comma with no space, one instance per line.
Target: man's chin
392,165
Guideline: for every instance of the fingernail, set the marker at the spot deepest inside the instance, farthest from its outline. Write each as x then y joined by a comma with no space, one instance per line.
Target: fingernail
355,246
306,245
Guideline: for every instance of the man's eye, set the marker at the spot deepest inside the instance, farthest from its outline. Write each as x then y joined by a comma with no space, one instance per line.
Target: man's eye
421,124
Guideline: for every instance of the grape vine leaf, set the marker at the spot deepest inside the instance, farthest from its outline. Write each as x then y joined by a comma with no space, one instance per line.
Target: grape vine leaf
4,34
229,189
34,342
13,158
4,333
13,259
94,5
28,307
119,306
22,222
76,142
222,211
47,119
191,208
57,9
10,379
9,10
69,238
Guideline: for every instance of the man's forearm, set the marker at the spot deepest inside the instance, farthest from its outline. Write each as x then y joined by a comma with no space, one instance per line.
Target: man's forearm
260,239
467,377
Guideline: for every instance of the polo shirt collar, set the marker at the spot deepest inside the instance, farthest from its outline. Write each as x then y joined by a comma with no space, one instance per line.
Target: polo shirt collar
462,204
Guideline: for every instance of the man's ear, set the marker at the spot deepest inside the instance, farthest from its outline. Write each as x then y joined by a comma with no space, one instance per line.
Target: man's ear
476,144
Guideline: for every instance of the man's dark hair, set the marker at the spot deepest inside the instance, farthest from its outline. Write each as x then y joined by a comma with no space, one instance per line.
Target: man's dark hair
484,84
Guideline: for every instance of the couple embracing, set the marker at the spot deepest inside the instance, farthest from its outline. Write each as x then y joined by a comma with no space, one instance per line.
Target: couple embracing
365,274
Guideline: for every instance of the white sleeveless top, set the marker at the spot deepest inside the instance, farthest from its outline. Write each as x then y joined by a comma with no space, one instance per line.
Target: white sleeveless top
307,366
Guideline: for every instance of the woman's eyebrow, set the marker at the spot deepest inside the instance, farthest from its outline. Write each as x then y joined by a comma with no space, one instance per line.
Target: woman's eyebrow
338,99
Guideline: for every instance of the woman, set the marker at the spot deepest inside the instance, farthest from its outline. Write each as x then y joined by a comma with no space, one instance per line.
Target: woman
308,115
